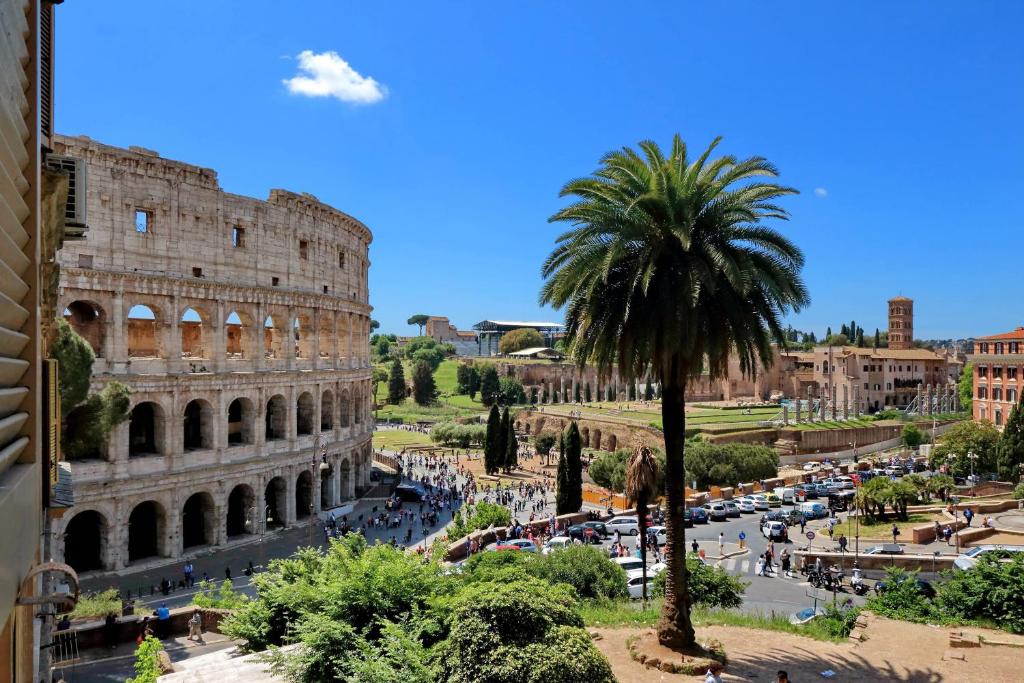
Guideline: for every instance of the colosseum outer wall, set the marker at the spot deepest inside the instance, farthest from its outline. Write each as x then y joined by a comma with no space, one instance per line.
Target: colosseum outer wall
242,329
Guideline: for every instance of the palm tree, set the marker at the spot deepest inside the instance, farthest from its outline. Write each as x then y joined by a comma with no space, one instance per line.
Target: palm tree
641,486
668,269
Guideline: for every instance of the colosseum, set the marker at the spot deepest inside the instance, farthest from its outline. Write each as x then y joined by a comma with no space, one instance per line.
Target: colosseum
241,327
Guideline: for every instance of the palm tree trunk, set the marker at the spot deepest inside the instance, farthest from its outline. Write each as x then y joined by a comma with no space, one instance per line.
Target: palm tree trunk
641,525
674,627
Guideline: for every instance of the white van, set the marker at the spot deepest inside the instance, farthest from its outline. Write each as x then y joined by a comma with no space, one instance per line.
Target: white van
627,526
787,494
812,510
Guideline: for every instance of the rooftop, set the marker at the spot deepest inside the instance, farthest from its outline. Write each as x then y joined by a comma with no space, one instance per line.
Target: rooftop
514,324
1015,335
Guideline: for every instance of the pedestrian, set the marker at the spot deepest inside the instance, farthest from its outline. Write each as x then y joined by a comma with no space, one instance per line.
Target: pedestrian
968,516
759,566
782,677
109,630
895,532
785,560
938,530
803,523
947,534
712,676
721,543
195,626
695,547
163,619
842,543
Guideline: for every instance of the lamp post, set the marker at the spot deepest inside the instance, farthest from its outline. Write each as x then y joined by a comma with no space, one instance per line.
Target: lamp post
319,466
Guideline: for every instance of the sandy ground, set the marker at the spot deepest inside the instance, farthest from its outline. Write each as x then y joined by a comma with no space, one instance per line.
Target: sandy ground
893,651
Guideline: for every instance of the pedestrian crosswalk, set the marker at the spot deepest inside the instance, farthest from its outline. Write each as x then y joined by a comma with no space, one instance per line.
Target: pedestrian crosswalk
735,565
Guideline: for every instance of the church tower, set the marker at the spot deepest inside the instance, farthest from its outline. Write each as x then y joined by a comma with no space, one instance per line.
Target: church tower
901,323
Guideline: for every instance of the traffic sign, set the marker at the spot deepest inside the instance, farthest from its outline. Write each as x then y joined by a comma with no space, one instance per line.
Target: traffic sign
810,535
743,535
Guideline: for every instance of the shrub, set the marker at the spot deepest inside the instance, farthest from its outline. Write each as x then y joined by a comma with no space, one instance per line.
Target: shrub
902,599
147,662
522,632
95,605
480,516
461,435
511,391
709,586
583,568
912,436
728,464
519,339
1018,491
993,590
226,597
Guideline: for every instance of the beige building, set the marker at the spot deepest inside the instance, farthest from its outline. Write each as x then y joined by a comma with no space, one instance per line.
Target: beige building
998,367
241,327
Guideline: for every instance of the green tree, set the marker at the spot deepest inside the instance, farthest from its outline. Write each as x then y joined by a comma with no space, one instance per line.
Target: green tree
502,441
941,485
374,325
572,499
474,382
632,391
432,356
510,391
511,446
965,388
418,319
543,443
380,375
668,269
490,386
491,442
1010,448
586,392
562,482
396,383
519,339
860,338
878,339
424,390
912,436
147,661
463,375
964,438
648,391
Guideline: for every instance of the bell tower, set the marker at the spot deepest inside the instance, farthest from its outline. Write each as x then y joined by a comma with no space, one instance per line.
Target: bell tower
901,323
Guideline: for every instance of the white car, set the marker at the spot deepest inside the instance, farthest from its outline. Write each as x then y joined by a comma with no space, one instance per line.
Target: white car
970,558
629,563
745,504
658,534
635,584
514,544
811,466
627,526
556,543
760,502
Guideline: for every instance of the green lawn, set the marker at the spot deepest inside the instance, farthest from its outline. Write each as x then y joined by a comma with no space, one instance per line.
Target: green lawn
396,439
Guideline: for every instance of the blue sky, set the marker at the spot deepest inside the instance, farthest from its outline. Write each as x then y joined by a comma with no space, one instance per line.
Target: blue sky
457,123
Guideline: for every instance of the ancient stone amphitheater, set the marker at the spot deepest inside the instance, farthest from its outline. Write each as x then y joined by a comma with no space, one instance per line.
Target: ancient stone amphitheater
241,327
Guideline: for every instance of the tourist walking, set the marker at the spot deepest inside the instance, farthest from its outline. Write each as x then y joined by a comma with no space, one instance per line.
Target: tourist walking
195,626
842,543
895,533
721,543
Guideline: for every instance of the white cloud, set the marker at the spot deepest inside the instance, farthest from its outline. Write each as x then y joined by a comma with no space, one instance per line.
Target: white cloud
821,191
328,75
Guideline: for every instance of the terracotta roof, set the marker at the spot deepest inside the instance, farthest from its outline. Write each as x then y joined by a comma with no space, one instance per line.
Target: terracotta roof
908,354
1017,334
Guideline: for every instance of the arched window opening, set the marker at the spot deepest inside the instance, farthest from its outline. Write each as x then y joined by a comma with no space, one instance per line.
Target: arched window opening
275,496
145,531
198,425
241,414
237,328
326,336
303,337
193,335
277,419
304,495
85,541
304,417
241,511
273,338
89,321
143,341
197,520
346,408
327,411
146,426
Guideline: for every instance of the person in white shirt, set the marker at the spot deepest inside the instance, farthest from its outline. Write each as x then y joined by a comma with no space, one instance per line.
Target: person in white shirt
712,676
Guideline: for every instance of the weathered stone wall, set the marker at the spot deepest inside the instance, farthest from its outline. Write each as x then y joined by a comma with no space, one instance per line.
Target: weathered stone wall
251,378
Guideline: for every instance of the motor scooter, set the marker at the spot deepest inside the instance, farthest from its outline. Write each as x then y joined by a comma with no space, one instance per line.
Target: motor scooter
857,582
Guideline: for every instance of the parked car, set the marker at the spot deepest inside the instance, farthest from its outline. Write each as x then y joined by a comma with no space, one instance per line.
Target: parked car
968,559
688,518
813,510
599,527
776,516
657,534
635,584
760,502
731,509
923,587
523,544
773,499
700,515
812,466
716,511
556,543
628,526
584,534
786,493
775,531
809,490
793,517
745,505
628,563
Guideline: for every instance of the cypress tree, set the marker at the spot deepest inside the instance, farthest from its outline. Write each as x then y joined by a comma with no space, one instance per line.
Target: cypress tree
586,393
648,390
577,396
611,394
490,386
1010,448
396,383
491,462
424,389
511,446
502,441
474,382
574,466
632,390
533,395
878,338
562,480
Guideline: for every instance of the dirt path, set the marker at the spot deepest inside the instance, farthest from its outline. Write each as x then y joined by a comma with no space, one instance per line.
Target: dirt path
893,651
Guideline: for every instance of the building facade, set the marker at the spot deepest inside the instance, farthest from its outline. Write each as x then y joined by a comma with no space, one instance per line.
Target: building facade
998,366
901,323
241,328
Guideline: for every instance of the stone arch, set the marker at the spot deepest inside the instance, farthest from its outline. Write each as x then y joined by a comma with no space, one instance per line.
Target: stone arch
327,410
147,425
276,418
302,328
241,511
196,333
146,531
357,404
304,418
326,334
303,494
198,520
85,541
325,486
275,497
241,421
144,322
238,333
585,436
345,476
274,335
538,426
346,408
595,439
197,433
89,320
612,442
